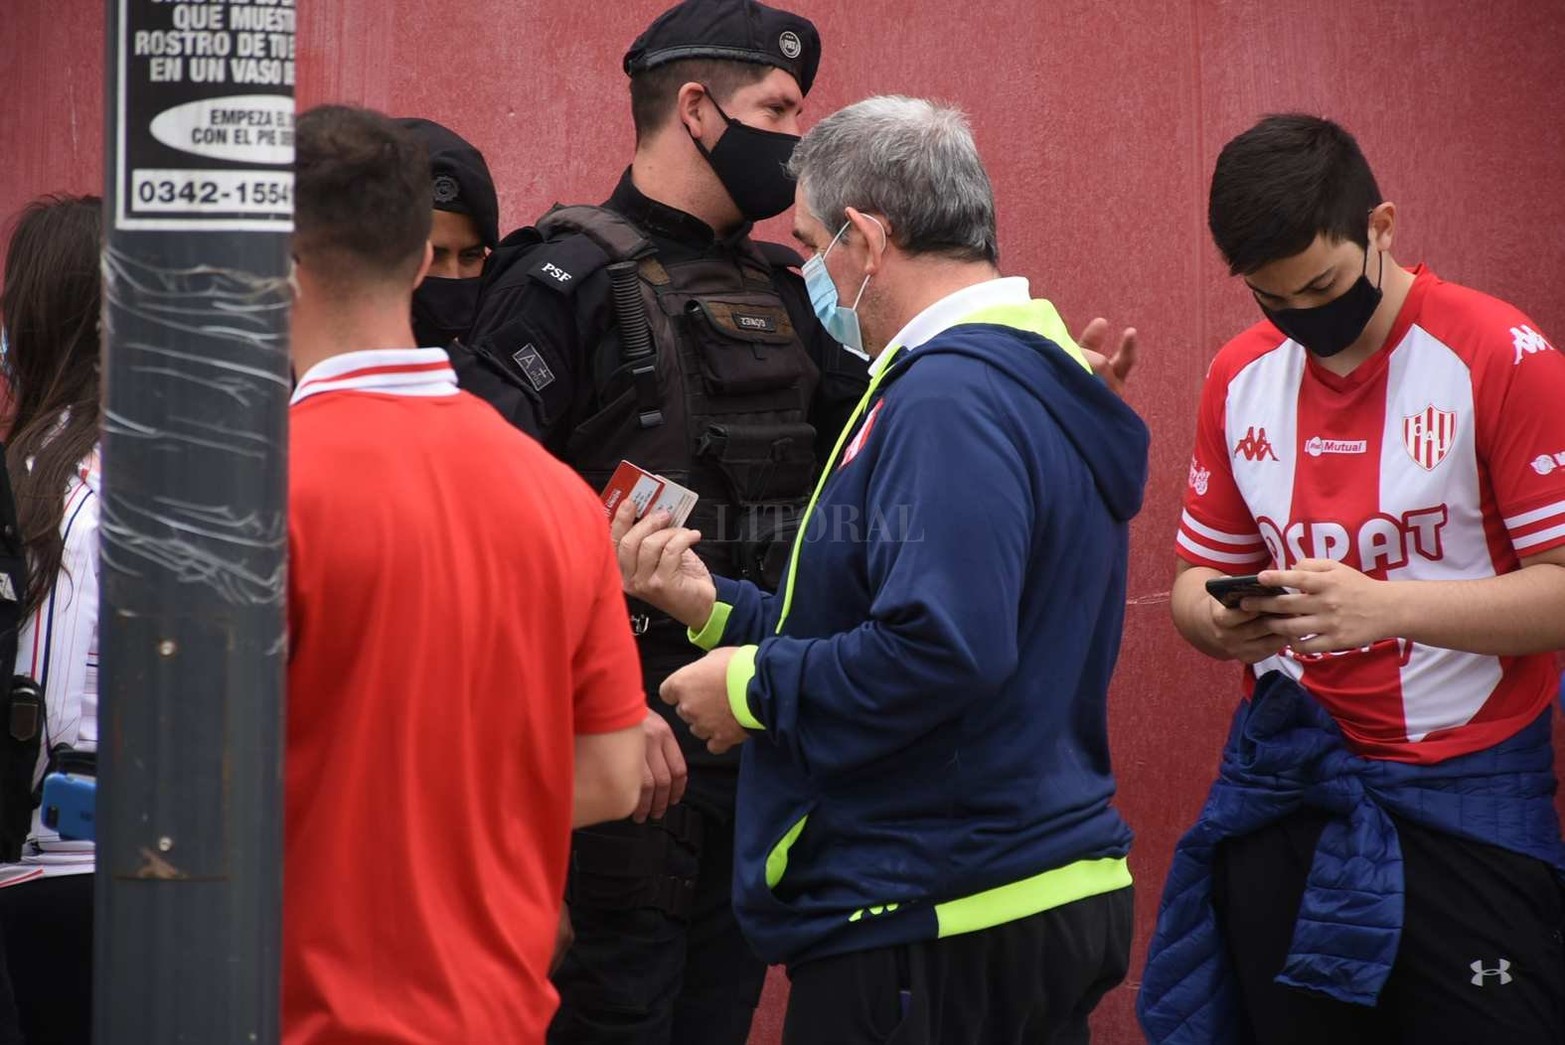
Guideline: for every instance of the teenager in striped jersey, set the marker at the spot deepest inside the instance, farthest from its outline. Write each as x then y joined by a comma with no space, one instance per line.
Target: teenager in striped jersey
1379,859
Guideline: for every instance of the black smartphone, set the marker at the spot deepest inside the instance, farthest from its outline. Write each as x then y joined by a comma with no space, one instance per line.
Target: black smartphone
1229,590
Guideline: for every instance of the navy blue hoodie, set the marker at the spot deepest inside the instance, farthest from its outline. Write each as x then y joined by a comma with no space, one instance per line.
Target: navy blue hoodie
929,751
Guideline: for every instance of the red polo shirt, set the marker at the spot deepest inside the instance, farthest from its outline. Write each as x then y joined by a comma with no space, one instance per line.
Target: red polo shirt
456,619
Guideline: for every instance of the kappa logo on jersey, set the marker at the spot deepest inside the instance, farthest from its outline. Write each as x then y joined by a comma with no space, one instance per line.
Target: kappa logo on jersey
1544,464
1481,974
1199,477
1528,342
1429,436
1315,446
863,435
1255,446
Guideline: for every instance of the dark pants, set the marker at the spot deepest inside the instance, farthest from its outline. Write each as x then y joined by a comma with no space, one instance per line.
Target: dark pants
665,968
10,1027
1028,982
1480,960
46,926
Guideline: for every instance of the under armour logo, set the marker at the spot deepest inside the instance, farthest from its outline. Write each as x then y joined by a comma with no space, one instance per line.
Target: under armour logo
1480,974
1255,446
1527,341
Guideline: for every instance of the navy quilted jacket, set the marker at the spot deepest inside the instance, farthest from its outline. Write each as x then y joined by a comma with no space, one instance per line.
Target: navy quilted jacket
1285,752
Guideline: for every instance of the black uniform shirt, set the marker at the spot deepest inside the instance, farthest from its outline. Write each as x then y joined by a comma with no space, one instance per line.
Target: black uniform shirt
532,347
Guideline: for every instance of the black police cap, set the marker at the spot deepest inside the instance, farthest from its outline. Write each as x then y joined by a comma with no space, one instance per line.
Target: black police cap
731,30
459,177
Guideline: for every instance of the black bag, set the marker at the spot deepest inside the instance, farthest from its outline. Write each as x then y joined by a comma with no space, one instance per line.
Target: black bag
22,721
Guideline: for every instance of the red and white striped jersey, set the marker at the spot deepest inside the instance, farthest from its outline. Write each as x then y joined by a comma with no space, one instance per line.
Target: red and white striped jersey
1441,458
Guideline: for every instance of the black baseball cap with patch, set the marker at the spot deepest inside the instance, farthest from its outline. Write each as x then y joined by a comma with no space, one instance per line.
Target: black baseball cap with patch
731,30
459,177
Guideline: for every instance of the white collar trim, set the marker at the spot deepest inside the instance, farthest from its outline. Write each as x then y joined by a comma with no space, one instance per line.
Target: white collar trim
418,372
950,310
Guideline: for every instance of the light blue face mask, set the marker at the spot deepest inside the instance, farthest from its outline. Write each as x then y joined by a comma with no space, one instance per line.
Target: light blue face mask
840,322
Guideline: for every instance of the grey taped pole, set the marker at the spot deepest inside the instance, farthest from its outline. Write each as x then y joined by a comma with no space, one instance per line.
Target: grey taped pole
193,521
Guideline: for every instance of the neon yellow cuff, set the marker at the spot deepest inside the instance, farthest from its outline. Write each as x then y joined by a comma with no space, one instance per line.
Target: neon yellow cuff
711,634
740,671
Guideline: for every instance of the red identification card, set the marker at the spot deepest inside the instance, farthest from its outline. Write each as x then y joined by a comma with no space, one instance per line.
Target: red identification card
648,492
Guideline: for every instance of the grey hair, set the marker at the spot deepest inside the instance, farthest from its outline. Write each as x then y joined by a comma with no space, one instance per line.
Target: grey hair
913,161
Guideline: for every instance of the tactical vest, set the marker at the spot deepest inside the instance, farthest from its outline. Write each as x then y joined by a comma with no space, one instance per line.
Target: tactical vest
718,402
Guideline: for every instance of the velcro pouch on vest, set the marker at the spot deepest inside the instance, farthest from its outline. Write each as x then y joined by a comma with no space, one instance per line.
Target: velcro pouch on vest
761,462
744,346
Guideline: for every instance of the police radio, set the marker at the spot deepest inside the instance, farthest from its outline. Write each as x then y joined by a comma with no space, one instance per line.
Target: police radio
19,747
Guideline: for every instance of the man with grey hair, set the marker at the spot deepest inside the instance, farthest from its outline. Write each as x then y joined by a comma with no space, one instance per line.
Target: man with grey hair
926,835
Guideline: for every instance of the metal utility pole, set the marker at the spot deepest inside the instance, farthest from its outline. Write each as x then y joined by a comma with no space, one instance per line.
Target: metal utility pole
198,211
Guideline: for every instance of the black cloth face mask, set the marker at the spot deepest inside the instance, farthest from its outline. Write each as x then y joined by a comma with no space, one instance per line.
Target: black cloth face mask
751,164
1327,329
443,310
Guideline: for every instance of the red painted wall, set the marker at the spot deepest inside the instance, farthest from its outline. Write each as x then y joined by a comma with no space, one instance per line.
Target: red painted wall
1100,123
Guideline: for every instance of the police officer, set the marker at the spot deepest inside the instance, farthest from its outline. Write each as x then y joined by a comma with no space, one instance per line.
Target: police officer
464,231
465,228
654,329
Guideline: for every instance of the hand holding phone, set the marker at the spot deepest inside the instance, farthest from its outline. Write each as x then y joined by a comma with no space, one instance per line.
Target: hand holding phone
1230,591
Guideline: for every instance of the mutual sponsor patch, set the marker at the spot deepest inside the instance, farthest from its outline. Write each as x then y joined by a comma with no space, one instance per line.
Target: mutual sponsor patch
532,363
1315,446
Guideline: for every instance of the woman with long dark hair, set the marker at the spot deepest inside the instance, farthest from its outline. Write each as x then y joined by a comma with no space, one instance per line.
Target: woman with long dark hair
49,307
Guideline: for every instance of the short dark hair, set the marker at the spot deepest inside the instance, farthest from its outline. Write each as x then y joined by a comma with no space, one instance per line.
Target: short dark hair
654,92
1283,182
361,195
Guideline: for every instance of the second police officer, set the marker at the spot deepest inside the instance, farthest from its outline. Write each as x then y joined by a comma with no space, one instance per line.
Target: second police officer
653,329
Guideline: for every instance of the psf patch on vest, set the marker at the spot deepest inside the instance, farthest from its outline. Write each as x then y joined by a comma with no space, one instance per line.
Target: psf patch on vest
531,361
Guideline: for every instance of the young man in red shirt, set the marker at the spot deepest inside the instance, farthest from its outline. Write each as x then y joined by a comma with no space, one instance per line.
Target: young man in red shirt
1380,857
460,649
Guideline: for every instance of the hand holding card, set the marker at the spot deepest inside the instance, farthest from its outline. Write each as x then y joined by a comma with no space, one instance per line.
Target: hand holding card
648,492
656,555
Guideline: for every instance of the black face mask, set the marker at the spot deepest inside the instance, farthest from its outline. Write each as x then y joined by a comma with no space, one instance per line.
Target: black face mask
1327,329
751,164
443,310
